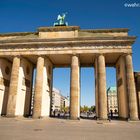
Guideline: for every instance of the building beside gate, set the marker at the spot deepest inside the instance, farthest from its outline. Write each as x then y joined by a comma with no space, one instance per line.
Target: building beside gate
58,100
64,102
112,100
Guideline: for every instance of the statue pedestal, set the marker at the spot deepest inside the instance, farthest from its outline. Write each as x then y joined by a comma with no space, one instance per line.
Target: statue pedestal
58,32
61,25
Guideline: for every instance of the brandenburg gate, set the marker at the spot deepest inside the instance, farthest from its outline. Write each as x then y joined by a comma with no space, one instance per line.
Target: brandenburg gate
65,46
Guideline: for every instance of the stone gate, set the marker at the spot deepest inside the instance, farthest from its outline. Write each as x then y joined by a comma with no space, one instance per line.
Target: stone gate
65,46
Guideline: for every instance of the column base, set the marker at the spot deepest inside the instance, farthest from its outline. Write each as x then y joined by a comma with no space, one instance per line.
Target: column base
10,116
103,119
122,118
15,116
20,117
37,117
74,118
40,116
3,115
133,119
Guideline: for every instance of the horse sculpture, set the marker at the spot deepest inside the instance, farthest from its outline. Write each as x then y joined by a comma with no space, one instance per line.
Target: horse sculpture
61,20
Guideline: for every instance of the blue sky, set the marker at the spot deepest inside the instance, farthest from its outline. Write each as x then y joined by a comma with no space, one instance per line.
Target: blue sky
28,15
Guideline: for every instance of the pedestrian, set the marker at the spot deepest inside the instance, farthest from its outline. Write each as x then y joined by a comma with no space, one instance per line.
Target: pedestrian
111,113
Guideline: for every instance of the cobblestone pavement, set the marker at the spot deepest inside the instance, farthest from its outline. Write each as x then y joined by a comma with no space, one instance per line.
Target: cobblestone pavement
59,129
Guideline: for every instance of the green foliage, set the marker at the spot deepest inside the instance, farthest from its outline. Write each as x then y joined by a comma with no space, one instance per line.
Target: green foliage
92,109
65,109
86,108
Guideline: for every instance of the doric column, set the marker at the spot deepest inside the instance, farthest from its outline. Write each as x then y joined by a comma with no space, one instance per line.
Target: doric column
75,89
132,99
38,88
102,96
13,87
121,88
137,83
96,87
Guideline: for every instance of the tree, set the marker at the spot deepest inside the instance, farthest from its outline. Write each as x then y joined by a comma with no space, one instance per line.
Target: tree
92,109
84,108
81,109
65,109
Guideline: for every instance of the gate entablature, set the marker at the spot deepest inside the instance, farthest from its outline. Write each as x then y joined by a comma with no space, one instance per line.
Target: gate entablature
67,40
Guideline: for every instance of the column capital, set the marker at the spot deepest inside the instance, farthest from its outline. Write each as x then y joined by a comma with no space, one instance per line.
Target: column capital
96,56
100,54
18,56
73,59
75,54
125,54
43,56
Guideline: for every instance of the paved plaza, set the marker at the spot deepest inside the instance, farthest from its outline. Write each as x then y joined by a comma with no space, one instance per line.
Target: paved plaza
60,129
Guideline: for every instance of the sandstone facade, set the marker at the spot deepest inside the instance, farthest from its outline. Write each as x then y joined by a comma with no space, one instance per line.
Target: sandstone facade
65,46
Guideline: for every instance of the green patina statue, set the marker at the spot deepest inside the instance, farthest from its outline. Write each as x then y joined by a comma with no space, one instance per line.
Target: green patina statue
61,20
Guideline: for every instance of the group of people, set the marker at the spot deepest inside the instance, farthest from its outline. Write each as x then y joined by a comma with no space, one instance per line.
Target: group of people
88,114
58,113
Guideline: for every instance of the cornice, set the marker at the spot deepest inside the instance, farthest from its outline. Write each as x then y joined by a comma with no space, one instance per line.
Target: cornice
76,39
67,44
105,30
17,34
